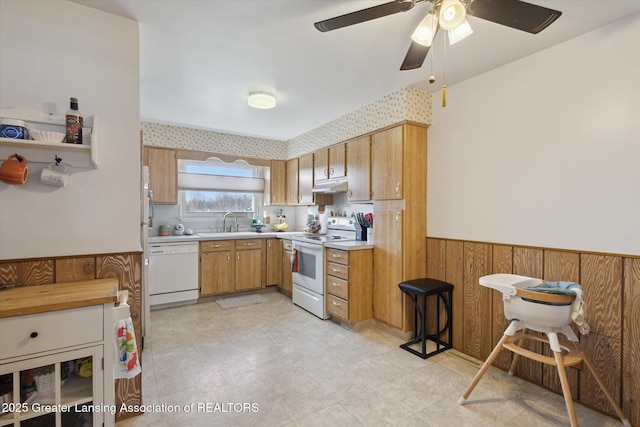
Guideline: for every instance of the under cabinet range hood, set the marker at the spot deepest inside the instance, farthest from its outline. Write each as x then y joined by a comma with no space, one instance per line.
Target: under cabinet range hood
336,185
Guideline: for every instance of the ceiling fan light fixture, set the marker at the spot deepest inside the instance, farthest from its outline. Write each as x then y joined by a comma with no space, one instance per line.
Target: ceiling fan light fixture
426,30
262,100
460,32
452,14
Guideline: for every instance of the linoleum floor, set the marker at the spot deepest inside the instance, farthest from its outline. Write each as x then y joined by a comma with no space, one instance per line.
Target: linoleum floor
274,364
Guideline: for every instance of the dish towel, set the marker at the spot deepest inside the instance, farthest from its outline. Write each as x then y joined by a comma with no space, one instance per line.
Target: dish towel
127,362
578,308
294,260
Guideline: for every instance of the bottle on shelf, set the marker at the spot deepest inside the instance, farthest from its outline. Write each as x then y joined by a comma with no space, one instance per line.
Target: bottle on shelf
74,123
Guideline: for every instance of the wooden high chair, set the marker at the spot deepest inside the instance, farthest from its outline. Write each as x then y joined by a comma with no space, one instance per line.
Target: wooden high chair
542,312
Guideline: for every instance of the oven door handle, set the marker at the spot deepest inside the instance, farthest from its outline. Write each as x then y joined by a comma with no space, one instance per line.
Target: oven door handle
310,246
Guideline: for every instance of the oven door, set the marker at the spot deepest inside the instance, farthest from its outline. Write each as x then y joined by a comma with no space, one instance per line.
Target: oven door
310,272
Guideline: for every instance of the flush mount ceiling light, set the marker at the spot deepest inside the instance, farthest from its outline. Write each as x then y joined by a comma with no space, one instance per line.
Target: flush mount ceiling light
262,100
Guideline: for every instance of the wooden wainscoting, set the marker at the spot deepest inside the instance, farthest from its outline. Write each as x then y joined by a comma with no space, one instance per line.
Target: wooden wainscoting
126,267
611,286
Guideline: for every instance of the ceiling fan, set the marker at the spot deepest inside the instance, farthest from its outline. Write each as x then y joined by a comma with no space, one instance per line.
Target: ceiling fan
450,15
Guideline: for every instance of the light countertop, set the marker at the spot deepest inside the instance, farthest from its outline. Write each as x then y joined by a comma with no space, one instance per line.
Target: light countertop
351,245
224,236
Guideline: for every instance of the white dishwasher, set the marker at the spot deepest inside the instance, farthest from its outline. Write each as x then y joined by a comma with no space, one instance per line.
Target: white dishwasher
173,273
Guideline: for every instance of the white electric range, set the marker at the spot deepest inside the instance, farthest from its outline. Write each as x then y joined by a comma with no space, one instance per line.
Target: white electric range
309,288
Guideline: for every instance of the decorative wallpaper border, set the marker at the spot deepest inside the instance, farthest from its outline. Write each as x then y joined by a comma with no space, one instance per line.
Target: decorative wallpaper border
405,104
161,135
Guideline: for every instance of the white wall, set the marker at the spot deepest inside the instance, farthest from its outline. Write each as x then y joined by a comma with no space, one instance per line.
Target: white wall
544,151
51,50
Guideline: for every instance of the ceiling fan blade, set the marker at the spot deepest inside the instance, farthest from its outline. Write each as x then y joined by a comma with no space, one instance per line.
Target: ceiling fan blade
515,14
415,56
364,15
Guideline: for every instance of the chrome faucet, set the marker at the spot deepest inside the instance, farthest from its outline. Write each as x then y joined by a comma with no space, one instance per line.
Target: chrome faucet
224,221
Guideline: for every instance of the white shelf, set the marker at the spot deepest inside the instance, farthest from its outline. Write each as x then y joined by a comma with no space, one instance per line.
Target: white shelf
74,155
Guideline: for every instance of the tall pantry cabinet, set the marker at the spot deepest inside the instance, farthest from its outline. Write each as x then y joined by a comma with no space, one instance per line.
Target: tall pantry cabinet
400,227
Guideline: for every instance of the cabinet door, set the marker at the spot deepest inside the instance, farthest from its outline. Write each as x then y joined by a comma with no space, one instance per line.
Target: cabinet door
216,272
274,262
163,175
388,164
275,184
248,269
287,276
337,161
305,179
57,381
359,169
291,195
387,297
320,165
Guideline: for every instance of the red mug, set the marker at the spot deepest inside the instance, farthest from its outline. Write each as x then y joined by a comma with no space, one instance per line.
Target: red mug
14,170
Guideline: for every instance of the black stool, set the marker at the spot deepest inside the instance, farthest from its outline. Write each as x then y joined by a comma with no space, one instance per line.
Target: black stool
423,288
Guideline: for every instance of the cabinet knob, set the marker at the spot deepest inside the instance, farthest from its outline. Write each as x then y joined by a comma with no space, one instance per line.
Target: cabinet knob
335,284
34,335
330,171
335,303
349,193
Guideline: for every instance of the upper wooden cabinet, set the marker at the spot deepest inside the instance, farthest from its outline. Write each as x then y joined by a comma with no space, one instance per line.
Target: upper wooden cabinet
305,180
330,163
163,174
388,164
291,193
358,152
275,184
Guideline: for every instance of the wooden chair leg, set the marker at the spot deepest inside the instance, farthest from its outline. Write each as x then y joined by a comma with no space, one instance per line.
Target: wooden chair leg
566,390
516,356
483,369
615,405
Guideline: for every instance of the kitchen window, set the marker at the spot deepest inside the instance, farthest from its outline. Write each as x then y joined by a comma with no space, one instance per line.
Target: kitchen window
212,187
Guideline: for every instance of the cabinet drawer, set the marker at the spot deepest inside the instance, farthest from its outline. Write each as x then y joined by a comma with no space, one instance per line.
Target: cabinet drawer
338,307
341,257
287,245
34,333
338,287
216,245
249,243
338,270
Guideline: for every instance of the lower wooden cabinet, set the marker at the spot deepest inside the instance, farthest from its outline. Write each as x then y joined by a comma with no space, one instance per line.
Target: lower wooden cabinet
274,262
249,255
349,279
231,265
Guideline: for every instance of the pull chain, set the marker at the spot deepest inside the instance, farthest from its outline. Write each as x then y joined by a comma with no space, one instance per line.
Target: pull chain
444,72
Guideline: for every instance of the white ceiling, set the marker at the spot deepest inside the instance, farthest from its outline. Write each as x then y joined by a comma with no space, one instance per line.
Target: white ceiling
201,58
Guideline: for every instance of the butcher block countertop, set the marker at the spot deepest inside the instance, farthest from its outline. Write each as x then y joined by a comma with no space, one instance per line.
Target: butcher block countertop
23,300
